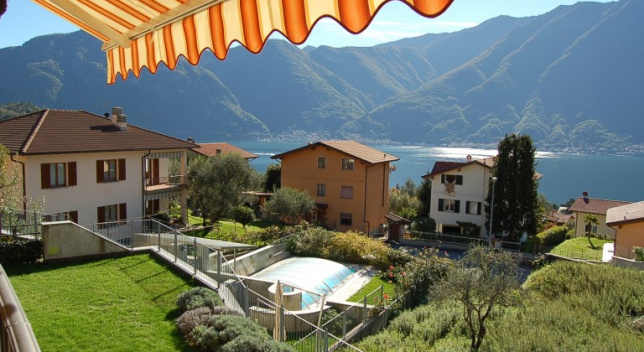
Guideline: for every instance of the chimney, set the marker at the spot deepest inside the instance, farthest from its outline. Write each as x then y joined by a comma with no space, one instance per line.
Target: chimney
469,157
218,151
118,118
121,121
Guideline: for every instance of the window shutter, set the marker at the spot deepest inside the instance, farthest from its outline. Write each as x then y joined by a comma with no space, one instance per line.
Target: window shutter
99,171
155,206
457,206
478,208
123,211
44,176
100,214
440,205
121,170
155,171
73,216
71,174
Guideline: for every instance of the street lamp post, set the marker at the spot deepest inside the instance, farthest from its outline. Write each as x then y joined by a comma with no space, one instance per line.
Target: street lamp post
489,233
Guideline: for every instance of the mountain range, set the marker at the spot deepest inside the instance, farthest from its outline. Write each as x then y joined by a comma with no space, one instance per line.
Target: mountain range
571,79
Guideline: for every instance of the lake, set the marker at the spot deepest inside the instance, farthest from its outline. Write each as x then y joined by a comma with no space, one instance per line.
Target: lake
565,175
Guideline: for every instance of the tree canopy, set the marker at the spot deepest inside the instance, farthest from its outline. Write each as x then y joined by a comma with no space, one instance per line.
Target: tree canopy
515,191
215,184
9,181
289,204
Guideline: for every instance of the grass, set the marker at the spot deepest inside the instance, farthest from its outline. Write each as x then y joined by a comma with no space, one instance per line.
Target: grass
227,226
375,283
579,248
124,304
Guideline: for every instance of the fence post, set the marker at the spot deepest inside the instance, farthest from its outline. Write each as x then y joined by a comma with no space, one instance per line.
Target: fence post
36,224
159,238
218,268
176,246
245,307
326,341
344,324
196,257
382,295
364,310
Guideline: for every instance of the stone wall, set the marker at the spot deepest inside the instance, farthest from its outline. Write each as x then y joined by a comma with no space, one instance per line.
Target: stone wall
63,240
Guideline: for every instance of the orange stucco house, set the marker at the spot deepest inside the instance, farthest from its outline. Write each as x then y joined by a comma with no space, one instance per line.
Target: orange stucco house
628,222
348,180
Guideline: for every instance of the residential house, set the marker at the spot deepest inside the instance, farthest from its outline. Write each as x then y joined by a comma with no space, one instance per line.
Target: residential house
91,168
215,149
459,190
628,222
349,181
598,207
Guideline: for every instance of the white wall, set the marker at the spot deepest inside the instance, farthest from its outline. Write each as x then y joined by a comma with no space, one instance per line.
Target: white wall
88,194
474,188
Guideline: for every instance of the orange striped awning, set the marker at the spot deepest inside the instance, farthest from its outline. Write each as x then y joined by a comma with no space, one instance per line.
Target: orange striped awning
144,33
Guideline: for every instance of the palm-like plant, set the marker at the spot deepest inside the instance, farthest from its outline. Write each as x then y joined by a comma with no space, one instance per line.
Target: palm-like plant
590,220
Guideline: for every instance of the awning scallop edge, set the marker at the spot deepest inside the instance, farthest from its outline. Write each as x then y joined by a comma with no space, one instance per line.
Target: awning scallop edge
146,33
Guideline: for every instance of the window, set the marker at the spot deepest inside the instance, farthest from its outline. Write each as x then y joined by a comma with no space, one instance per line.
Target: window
67,215
346,192
57,175
112,212
346,219
473,208
321,162
455,179
449,205
321,190
110,170
347,163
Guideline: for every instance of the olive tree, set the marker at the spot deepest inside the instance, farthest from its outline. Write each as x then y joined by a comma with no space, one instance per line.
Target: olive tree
215,184
289,204
482,280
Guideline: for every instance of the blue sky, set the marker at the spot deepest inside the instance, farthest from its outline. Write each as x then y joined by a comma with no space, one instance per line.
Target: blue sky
25,19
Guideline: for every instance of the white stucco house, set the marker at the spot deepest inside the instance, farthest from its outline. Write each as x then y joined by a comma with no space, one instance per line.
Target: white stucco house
458,193
585,205
94,169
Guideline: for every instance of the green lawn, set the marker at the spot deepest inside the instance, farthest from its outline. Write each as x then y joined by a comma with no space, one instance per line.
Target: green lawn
579,248
375,283
124,304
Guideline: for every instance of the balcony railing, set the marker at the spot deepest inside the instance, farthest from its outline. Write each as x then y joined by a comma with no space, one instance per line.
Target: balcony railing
15,331
164,183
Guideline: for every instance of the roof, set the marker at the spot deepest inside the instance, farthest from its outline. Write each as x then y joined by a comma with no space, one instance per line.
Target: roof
351,148
627,213
212,149
444,166
559,218
594,205
396,219
74,131
144,33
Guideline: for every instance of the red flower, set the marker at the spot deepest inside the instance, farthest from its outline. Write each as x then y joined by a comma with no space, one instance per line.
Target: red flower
391,267
404,273
386,296
391,274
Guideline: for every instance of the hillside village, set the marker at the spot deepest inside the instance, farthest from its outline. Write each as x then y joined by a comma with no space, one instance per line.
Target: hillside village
118,232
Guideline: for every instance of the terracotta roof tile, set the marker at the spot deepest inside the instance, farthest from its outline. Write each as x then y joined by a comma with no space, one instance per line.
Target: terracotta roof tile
351,148
594,206
72,131
210,149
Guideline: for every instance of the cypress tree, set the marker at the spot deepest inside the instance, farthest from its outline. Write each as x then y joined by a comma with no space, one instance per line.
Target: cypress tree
515,192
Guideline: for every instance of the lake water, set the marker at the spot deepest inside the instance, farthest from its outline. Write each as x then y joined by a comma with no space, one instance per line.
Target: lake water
565,175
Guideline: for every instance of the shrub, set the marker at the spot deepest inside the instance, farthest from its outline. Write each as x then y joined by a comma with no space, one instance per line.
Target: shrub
255,344
222,332
552,236
639,253
193,318
424,224
198,297
19,251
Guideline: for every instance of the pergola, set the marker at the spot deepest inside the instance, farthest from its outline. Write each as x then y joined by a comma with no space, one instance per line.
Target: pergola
145,33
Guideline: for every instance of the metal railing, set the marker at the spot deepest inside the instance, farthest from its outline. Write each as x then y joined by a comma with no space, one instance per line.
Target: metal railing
25,224
15,330
463,240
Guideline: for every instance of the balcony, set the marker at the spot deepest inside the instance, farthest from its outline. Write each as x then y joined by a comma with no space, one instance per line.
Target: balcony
164,184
